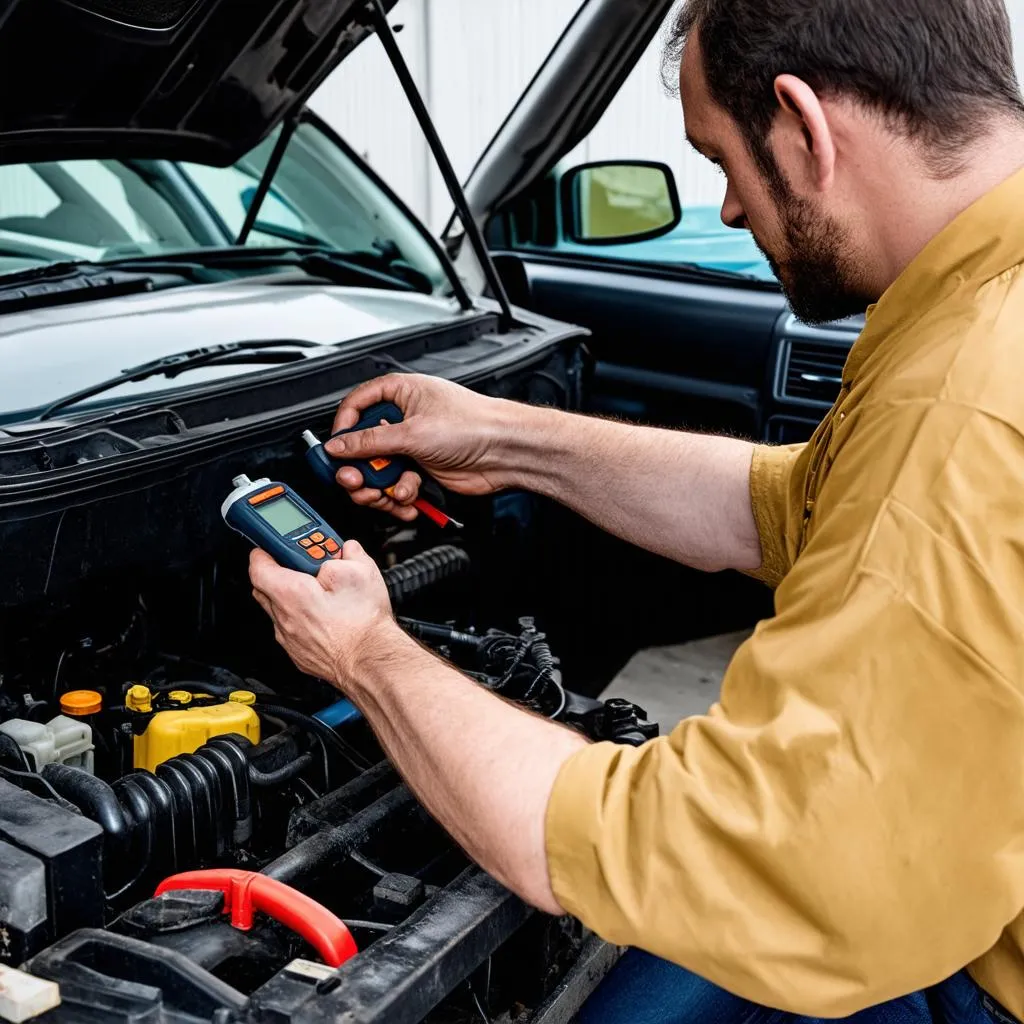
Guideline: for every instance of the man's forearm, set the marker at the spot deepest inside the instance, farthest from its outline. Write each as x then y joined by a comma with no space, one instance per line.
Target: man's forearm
482,767
684,496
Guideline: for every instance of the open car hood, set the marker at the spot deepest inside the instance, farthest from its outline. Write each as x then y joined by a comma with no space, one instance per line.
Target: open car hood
198,80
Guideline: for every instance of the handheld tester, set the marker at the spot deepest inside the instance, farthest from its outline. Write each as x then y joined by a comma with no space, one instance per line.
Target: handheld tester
381,474
274,518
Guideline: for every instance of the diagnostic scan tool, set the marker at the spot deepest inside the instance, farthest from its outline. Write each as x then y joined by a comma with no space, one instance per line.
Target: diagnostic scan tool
274,518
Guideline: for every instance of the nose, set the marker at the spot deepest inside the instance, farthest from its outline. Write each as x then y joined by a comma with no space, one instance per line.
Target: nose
733,214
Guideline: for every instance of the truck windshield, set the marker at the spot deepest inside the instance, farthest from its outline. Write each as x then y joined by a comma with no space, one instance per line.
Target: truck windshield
116,209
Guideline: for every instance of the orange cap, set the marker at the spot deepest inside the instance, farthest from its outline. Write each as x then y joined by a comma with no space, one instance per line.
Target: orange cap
81,702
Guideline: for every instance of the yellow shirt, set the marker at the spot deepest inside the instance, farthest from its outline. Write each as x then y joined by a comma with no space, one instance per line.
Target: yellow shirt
847,826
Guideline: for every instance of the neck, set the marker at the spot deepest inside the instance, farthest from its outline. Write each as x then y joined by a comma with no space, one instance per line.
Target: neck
912,208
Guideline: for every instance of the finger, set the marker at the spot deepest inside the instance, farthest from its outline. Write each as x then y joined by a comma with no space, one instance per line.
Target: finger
353,551
270,578
368,497
406,514
381,389
407,490
394,439
346,418
261,569
350,478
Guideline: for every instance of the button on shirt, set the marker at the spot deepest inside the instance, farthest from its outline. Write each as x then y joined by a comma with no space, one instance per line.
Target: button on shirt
847,825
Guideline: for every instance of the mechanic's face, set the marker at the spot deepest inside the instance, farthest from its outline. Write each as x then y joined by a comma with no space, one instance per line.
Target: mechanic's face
808,248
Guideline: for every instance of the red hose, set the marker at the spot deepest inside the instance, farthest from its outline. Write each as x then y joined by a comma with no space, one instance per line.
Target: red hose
245,892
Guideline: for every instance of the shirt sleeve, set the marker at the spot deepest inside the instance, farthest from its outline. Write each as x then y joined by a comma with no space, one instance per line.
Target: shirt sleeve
845,827
772,473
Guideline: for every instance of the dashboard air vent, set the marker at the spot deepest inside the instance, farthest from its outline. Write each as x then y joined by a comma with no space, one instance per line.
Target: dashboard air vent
813,371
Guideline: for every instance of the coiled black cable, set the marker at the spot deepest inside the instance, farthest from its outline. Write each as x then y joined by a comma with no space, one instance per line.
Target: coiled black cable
409,578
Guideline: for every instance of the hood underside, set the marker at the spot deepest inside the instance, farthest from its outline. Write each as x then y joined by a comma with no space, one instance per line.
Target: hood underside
198,80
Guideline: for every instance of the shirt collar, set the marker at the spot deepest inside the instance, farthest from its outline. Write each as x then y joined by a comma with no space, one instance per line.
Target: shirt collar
979,245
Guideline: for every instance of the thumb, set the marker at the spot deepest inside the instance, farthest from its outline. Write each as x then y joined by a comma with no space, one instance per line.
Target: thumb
364,444
335,573
353,551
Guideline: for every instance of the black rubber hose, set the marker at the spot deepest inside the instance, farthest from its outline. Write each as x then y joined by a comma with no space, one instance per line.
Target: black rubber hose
93,797
314,855
228,756
318,728
221,680
409,578
264,780
11,755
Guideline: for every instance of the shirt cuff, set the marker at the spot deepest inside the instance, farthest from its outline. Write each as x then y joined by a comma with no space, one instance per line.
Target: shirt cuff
770,474
574,837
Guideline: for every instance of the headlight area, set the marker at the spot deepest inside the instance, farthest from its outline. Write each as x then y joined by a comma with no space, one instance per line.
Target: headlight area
192,830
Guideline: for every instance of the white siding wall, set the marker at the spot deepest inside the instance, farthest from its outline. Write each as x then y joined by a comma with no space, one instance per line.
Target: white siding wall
472,59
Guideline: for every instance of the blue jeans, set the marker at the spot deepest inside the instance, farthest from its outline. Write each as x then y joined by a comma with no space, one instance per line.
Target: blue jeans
642,989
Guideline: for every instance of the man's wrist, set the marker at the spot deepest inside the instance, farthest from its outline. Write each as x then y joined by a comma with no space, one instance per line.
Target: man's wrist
373,659
535,445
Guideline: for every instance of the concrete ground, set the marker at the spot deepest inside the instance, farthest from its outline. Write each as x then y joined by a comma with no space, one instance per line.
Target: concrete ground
673,683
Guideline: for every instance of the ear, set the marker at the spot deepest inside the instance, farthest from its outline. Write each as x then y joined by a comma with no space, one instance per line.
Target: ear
803,124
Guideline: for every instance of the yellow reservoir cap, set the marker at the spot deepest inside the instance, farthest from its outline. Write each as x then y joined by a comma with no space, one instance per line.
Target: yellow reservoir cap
180,696
81,702
170,733
242,697
139,698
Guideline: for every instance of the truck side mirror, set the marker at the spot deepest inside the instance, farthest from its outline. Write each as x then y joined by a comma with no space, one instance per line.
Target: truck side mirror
614,202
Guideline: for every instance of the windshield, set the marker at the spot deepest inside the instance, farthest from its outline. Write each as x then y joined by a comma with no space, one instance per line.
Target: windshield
113,209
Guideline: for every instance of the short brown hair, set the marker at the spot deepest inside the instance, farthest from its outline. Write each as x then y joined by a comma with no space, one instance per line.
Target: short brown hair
937,70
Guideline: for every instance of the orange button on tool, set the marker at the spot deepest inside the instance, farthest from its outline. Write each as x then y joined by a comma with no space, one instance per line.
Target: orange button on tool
379,464
306,542
331,545
318,553
258,499
317,538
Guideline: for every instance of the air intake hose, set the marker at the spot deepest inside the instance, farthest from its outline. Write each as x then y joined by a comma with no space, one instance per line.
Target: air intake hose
195,808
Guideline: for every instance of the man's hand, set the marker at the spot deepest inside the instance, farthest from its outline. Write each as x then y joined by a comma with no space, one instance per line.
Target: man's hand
683,496
326,623
483,768
455,434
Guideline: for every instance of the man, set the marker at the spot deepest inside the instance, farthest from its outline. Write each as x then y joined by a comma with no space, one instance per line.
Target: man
847,827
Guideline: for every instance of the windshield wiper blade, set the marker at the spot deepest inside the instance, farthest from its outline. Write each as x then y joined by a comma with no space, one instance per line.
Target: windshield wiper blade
60,284
318,261
173,365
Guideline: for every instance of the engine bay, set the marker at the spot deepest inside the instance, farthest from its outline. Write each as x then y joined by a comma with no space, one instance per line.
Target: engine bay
192,830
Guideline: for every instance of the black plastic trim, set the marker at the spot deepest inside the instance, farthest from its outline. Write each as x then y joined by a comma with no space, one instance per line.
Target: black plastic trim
687,387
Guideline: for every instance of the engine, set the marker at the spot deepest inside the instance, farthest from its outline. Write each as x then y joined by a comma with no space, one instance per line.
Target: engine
192,830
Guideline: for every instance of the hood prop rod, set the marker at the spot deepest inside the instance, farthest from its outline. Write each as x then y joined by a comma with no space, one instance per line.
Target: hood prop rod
380,21
269,173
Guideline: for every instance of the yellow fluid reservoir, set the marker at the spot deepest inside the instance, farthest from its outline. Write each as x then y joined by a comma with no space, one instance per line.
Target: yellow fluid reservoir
171,733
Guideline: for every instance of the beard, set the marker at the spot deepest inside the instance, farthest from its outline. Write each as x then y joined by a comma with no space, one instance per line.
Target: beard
815,271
